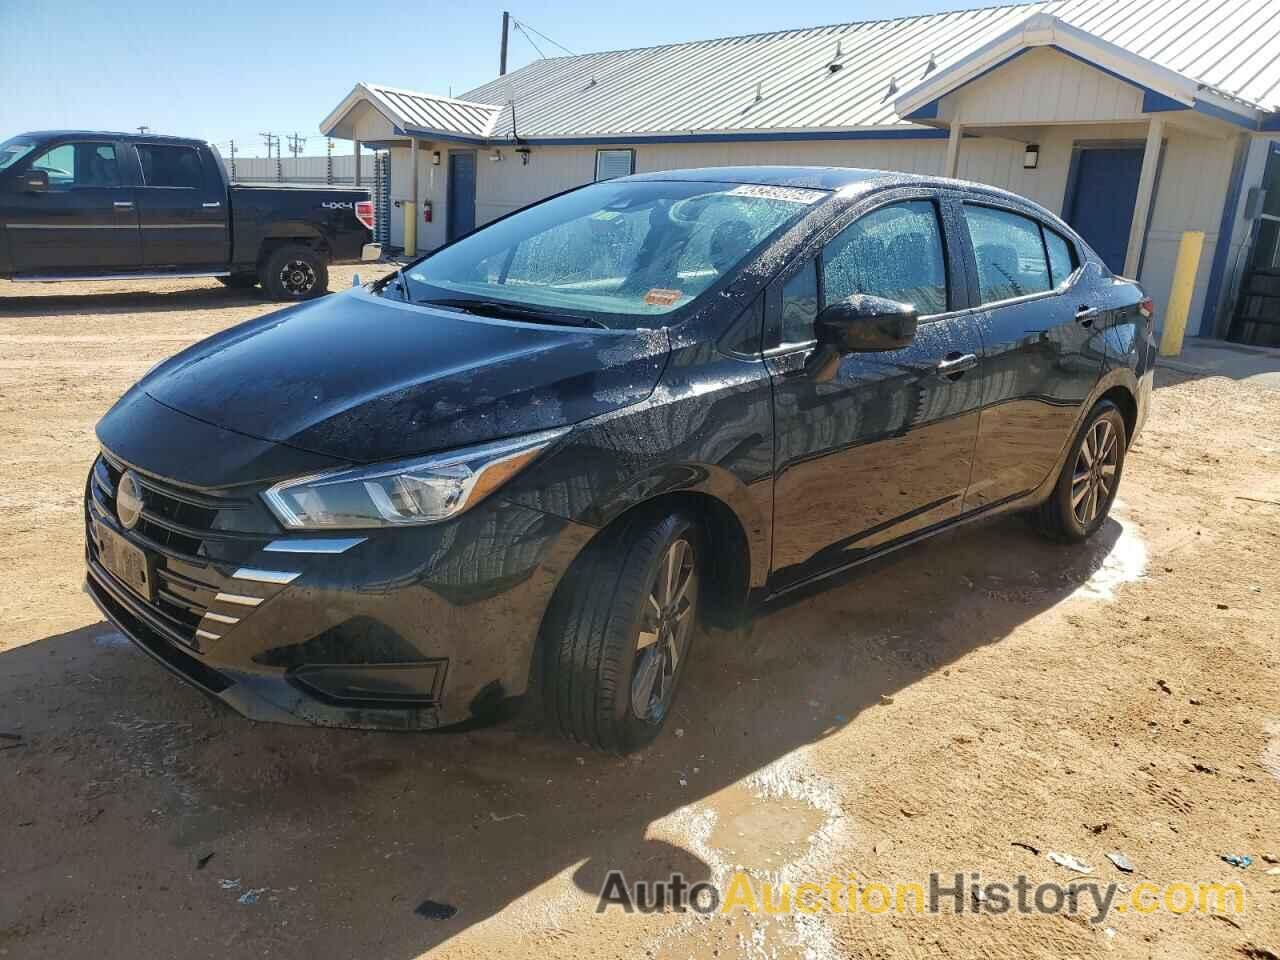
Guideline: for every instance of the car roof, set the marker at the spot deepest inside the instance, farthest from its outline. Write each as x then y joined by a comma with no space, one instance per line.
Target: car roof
42,135
850,179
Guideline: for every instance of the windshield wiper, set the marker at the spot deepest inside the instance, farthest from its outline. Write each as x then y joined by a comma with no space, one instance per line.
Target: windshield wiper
503,309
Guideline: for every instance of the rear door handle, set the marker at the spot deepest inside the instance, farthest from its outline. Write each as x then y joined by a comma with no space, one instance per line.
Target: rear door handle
1086,315
123,204
956,364
212,206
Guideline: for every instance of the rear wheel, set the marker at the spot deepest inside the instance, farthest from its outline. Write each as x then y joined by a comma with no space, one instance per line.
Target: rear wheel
1082,498
619,632
295,272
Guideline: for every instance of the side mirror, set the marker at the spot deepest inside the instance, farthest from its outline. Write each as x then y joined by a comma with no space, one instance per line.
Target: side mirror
865,324
34,181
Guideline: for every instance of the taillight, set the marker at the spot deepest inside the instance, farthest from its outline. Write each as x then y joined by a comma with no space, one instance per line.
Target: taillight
1148,310
364,213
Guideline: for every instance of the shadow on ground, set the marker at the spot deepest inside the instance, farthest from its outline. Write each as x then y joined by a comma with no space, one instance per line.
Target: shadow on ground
124,780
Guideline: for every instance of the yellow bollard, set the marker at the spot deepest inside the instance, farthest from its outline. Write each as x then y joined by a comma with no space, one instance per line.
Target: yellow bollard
1184,283
411,230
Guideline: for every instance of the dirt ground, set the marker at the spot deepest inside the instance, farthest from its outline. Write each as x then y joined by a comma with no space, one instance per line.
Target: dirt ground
953,708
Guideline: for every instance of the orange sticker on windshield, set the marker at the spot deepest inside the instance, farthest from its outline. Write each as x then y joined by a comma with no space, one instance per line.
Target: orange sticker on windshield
657,297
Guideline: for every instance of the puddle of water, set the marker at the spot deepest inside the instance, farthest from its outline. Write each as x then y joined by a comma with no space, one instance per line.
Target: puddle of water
1271,752
111,639
1125,563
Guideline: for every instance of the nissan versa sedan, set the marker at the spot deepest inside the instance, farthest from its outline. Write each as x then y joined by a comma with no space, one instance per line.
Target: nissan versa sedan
535,460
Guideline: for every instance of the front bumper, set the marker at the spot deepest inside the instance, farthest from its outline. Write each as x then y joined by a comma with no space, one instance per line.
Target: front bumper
402,629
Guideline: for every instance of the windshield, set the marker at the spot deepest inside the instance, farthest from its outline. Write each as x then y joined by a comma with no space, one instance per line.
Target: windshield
11,151
612,254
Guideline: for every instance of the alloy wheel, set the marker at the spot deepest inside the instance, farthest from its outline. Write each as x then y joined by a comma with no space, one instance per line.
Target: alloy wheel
1094,476
665,628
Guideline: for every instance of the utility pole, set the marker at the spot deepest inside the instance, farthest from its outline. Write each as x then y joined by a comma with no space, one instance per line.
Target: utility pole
144,129
296,143
270,139
502,59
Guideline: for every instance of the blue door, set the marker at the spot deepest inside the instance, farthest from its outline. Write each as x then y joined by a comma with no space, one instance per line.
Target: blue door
1100,205
462,193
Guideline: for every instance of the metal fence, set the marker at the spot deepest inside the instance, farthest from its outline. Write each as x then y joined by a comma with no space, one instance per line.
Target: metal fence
335,169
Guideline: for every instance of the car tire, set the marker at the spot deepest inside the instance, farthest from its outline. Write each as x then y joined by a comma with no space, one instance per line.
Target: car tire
239,281
1086,488
295,272
618,633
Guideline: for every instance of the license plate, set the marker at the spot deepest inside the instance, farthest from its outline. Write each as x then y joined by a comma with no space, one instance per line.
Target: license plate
126,561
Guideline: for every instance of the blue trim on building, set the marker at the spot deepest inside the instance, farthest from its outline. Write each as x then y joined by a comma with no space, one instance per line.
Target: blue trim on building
1155,102
1270,122
437,135
1229,116
763,136
928,112
1226,226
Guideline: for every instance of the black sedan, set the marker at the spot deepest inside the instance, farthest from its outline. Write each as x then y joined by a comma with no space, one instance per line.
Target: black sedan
540,456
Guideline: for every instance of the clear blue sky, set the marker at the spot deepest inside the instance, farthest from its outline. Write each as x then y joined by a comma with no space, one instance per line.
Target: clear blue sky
232,68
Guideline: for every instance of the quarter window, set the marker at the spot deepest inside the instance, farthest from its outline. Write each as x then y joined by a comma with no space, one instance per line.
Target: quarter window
169,166
894,252
800,305
79,165
1010,254
1062,261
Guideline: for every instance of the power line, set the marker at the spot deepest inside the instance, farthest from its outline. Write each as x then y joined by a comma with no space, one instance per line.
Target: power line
525,34
524,26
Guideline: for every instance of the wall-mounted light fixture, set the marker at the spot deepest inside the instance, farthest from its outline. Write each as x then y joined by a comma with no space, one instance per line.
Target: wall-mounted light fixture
496,156
435,158
524,155
1031,158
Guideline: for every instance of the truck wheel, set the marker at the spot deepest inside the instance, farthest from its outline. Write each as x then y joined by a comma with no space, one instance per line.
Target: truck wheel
295,272
1082,498
619,631
239,281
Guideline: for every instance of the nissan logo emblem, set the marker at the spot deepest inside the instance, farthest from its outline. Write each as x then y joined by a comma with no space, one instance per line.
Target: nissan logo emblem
128,500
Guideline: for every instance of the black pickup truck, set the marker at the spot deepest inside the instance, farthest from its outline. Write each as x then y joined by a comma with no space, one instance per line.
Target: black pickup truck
82,205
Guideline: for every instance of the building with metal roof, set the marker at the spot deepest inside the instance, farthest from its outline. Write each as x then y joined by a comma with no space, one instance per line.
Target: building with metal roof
1167,111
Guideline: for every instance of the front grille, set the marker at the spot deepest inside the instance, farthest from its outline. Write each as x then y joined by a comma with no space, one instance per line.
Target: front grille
186,531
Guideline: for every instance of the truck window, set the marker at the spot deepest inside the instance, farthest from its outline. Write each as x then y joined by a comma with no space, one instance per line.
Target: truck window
169,166
79,165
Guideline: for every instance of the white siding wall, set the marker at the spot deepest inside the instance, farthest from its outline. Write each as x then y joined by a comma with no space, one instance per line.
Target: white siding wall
1044,86
1194,179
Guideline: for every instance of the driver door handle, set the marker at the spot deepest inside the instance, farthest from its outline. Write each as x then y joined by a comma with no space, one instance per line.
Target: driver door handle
1086,315
956,364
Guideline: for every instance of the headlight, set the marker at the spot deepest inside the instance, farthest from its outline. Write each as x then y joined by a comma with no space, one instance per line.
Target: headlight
420,490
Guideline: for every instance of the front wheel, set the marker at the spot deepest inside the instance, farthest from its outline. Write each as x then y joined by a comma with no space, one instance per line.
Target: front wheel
295,272
619,632
1082,498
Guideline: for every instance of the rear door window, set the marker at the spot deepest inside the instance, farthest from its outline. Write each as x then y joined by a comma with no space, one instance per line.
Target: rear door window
1010,254
164,165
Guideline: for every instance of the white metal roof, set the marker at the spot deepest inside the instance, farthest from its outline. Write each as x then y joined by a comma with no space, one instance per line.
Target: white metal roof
409,110
780,82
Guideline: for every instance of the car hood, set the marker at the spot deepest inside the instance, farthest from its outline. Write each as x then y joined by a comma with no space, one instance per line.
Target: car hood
361,378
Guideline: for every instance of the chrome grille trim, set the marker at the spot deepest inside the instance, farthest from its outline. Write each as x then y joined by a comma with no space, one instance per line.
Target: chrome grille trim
239,598
220,617
206,635
305,545
265,576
